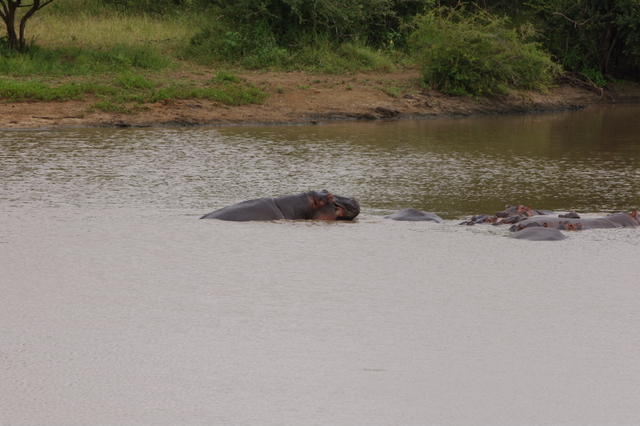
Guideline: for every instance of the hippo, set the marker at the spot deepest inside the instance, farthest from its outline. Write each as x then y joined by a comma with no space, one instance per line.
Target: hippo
617,220
539,234
515,218
521,209
479,219
415,215
571,215
510,214
310,205
570,226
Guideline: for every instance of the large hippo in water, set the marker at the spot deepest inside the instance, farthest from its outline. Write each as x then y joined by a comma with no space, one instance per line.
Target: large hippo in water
415,215
311,205
617,220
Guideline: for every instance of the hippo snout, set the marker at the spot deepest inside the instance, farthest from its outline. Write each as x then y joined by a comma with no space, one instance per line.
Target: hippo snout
350,208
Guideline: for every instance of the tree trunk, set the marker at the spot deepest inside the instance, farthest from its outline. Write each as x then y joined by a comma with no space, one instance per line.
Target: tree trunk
8,14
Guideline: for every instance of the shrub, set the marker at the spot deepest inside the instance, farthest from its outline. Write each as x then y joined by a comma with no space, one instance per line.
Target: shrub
304,33
287,20
478,54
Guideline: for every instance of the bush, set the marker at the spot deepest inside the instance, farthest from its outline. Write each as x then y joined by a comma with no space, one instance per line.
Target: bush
319,54
304,33
287,21
478,54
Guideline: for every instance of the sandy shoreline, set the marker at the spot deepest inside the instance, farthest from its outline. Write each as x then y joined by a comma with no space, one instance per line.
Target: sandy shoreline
300,98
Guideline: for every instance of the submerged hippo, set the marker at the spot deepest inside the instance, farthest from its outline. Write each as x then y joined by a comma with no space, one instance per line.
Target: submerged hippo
539,234
521,210
310,205
510,214
481,219
415,215
571,215
617,220
571,226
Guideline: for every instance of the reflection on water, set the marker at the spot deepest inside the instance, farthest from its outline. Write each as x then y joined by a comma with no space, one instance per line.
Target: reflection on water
587,161
119,306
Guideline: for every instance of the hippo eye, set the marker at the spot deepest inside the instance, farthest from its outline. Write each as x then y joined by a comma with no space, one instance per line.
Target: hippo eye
330,198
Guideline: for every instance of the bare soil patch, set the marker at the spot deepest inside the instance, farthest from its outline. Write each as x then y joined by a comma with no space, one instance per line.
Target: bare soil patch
298,97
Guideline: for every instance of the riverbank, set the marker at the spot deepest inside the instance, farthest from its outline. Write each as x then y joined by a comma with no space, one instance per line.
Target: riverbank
299,98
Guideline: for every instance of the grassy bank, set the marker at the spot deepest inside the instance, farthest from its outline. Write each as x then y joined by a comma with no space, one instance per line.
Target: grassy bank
126,53
123,59
120,61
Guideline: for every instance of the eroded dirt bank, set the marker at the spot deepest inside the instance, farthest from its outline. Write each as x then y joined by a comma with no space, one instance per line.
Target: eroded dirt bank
303,98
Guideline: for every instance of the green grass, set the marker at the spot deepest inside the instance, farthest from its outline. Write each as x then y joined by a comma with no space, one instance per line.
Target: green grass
87,24
127,91
392,91
124,58
18,91
80,48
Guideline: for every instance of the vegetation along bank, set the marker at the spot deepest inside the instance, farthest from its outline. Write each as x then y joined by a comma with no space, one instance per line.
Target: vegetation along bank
180,62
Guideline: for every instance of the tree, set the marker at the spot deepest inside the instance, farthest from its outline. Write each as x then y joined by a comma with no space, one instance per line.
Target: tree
8,13
600,38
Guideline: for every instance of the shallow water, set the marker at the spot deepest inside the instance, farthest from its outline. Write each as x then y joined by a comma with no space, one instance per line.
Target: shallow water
120,307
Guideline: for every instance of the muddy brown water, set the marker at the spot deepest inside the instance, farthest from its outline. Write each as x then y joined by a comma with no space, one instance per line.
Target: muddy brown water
119,306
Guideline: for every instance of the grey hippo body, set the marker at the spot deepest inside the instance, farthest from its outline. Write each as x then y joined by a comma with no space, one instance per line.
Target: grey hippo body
312,205
539,234
617,220
521,209
415,216
510,214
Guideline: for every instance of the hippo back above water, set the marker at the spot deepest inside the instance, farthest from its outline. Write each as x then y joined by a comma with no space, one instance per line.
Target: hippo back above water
617,220
310,205
415,215
539,234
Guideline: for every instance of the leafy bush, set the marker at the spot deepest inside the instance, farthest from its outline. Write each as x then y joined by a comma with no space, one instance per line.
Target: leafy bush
285,21
320,55
303,33
478,54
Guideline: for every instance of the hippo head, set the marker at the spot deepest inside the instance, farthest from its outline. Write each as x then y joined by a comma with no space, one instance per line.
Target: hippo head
327,206
570,226
515,211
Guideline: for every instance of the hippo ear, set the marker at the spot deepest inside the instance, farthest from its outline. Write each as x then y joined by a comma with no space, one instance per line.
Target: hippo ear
634,214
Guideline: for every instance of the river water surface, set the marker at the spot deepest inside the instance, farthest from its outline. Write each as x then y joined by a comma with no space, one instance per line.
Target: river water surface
119,306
